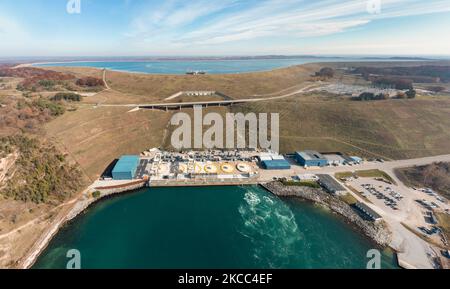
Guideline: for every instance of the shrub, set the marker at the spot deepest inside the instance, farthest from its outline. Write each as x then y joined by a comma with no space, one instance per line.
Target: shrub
46,83
55,109
96,194
90,82
411,93
67,96
371,96
309,184
326,72
42,175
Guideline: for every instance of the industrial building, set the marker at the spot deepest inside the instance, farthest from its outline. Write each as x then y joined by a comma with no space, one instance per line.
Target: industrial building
331,185
368,212
126,167
335,159
273,161
356,160
199,93
280,164
311,159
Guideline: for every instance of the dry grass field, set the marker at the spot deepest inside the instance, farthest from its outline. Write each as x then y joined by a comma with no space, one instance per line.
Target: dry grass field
435,176
391,129
95,137
147,87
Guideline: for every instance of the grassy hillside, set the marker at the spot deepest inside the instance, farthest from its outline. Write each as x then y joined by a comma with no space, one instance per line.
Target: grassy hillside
146,87
392,129
435,176
95,137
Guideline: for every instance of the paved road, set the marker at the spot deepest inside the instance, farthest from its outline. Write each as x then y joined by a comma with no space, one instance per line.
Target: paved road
388,167
177,105
413,252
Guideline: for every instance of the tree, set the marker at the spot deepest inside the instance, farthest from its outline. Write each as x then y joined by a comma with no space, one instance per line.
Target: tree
67,96
411,93
96,194
327,72
366,96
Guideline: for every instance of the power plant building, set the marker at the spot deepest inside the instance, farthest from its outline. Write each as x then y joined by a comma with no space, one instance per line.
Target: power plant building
126,167
281,164
274,161
331,185
311,159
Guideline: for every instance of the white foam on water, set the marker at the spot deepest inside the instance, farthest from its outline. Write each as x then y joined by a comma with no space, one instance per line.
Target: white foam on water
271,227
252,199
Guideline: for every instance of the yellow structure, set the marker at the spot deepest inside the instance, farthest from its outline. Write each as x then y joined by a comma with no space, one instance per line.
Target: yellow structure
227,168
210,169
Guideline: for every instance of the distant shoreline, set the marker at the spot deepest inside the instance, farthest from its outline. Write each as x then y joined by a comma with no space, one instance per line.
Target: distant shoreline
215,68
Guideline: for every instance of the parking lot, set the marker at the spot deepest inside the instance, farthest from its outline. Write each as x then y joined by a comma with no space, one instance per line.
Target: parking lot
387,194
388,198
409,206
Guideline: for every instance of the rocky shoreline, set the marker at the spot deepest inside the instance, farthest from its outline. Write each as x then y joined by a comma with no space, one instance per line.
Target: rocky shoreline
81,206
377,232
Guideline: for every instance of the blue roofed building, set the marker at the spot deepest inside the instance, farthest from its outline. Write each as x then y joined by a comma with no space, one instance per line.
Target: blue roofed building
311,159
126,167
278,164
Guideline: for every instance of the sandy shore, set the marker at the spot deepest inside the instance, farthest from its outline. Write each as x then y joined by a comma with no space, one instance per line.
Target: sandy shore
48,62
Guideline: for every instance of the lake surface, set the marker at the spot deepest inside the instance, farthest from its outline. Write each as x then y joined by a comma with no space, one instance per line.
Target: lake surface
209,228
208,66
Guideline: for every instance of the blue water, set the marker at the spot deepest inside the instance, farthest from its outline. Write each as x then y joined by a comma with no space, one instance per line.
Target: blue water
209,66
209,228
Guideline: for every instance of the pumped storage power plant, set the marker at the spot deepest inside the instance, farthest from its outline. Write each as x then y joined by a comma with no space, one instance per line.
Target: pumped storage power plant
125,168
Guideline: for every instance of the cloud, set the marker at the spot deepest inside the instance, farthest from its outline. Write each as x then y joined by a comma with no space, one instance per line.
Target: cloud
211,22
10,29
13,37
172,15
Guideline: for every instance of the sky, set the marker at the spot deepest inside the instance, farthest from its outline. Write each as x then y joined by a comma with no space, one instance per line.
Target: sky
223,27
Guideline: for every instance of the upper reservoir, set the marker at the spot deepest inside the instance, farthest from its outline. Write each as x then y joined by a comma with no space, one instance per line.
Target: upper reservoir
207,66
209,227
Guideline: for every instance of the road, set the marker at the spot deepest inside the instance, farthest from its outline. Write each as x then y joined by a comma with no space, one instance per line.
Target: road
388,166
179,105
104,81
412,251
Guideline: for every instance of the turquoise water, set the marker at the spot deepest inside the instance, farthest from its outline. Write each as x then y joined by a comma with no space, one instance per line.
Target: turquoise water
209,228
209,66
